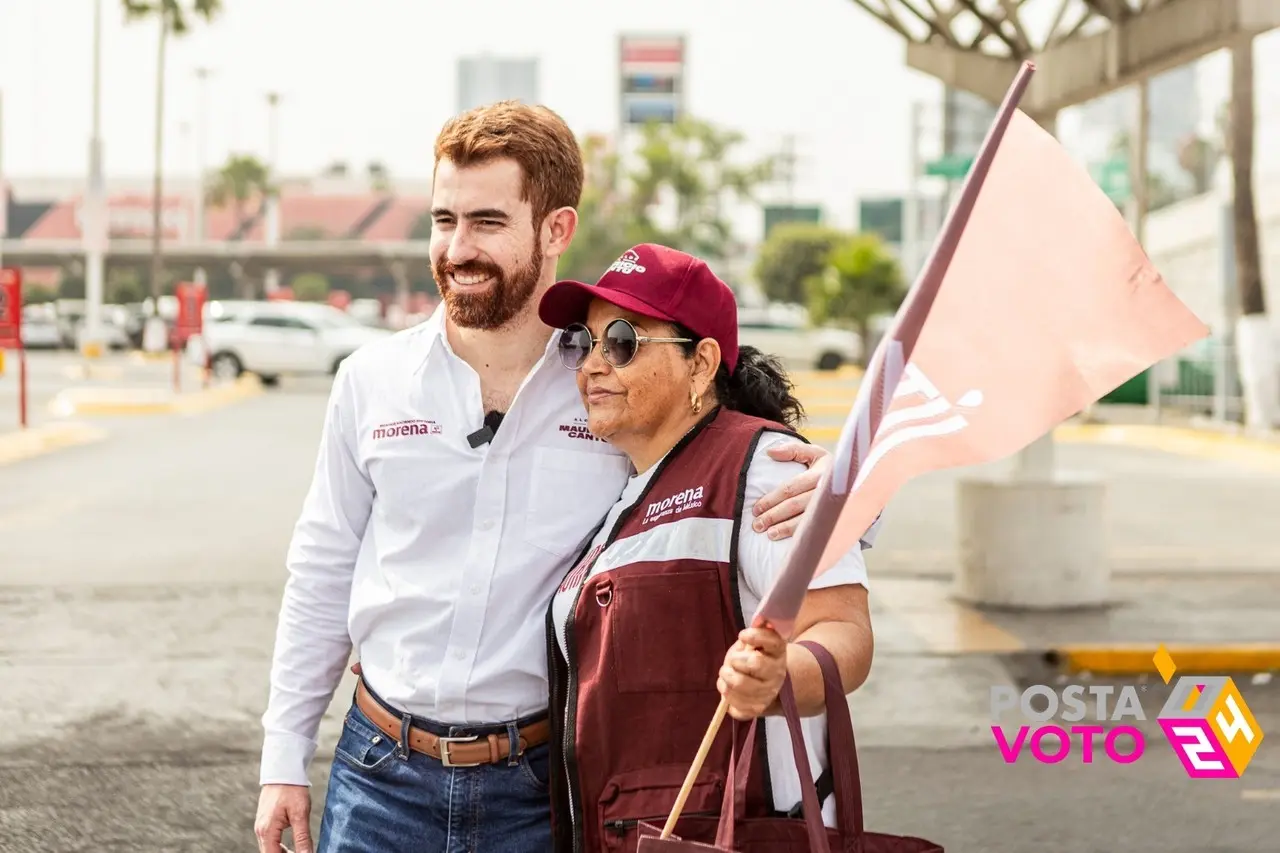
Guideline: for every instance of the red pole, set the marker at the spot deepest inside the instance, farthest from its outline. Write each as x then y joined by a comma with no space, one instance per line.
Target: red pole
22,386
177,367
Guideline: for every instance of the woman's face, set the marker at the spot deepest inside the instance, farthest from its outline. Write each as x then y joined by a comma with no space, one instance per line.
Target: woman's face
654,389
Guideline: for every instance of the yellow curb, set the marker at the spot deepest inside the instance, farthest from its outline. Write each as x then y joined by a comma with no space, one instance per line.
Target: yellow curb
1192,658
115,402
1181,441
142,356
37,441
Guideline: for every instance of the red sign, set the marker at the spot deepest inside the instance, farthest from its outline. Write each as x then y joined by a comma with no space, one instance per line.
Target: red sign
284,294
10,309
340,299
191,299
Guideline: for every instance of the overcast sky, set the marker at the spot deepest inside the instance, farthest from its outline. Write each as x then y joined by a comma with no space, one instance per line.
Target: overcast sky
378,83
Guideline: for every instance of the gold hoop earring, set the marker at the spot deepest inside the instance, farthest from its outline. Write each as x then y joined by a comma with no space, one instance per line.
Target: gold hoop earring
695,402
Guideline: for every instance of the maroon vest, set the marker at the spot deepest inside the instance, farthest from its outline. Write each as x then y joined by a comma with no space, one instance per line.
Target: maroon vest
645,645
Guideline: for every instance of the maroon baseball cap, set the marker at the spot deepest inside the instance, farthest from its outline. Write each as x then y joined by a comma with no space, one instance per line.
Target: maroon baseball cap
657,282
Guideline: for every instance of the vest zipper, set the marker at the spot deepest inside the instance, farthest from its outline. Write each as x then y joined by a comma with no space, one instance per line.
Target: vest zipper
571,703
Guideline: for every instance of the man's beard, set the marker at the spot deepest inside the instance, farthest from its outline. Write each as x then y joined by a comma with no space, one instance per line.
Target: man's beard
500,303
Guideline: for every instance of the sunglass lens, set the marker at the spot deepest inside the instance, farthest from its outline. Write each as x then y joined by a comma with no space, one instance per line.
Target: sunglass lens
619,343
575,345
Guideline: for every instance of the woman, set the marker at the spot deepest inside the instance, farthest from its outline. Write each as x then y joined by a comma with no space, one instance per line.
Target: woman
638,628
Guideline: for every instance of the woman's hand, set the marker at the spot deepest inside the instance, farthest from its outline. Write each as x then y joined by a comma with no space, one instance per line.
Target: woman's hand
753,672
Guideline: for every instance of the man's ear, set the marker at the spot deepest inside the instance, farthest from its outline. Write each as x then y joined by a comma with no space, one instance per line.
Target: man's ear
558,230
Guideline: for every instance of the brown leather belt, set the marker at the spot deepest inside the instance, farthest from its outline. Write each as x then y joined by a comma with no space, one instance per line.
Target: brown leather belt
452,751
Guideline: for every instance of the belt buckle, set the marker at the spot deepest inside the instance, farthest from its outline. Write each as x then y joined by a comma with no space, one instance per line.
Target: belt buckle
444,750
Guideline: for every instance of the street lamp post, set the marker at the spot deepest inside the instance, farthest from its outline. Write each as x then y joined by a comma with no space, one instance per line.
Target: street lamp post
94,225
272,283
202,129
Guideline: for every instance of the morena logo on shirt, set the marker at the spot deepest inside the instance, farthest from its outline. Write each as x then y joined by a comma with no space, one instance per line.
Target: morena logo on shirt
674,505
403,429
574,578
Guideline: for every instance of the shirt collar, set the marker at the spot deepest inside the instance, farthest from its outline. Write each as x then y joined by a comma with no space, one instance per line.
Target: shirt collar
431,334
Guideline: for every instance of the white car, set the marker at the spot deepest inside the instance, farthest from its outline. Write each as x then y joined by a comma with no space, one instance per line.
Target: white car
785,333
272,339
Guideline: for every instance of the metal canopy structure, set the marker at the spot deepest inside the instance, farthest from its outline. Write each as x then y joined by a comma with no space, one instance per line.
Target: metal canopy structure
1083,49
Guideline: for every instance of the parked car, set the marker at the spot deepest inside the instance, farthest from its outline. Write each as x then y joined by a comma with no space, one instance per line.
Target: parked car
272,339
785,332
40,327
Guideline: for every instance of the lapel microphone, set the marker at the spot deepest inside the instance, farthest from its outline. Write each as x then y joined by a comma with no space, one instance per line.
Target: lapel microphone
485,434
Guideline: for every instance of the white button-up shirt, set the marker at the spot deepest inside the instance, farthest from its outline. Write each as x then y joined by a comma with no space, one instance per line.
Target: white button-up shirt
434,560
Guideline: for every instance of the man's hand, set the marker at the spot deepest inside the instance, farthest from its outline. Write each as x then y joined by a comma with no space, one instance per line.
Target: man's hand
281,807
753,672
779,511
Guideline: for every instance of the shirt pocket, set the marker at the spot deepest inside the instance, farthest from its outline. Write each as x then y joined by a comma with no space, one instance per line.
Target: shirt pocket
571,493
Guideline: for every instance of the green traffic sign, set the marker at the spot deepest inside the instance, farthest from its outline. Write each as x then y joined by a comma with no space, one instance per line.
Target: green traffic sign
949,166
1114,179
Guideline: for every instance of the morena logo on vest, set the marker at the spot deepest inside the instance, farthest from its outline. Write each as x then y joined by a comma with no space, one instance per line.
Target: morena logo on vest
674,505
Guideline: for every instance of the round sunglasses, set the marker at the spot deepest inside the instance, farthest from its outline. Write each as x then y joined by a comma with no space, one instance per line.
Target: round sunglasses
618,345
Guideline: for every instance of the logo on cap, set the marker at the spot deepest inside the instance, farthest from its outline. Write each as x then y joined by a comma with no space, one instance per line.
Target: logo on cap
627,264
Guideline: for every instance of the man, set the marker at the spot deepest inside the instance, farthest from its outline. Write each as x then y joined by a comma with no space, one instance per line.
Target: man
455,482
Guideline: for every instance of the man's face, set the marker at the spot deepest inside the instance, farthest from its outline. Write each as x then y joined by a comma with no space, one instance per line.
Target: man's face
486,251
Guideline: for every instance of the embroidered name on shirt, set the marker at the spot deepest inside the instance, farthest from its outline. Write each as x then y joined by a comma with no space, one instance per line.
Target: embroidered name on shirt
674,505
401,429
578,429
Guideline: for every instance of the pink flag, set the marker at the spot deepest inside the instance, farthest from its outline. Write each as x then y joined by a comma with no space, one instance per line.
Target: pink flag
1036,301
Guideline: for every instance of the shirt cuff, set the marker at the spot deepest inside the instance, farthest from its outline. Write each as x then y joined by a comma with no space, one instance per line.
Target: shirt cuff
285,758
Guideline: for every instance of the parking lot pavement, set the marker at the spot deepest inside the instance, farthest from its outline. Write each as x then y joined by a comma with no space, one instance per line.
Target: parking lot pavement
139,584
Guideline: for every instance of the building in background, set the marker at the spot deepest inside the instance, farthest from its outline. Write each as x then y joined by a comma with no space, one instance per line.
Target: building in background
486,79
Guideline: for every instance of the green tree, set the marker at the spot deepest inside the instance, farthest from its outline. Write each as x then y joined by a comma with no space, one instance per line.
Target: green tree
175,18
310,287
602,234
379,176
240,180
125,287
690,166
861,281
794,253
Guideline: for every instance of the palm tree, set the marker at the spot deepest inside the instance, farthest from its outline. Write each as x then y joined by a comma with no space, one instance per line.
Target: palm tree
242,178
174,17
379,177
1257,372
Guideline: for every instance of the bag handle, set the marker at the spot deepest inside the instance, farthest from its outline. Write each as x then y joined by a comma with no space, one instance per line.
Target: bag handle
842,750
740,771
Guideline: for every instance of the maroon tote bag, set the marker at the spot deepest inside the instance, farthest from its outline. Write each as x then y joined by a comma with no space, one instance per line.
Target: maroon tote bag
730,833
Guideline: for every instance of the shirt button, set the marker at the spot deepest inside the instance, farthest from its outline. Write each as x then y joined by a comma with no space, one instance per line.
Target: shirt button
486,524
475,589
460,654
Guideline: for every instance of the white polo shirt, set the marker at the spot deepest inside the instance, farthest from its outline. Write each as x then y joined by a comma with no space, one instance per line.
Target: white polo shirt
435,560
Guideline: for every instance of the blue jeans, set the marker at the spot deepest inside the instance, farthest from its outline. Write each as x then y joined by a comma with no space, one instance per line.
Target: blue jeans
383,799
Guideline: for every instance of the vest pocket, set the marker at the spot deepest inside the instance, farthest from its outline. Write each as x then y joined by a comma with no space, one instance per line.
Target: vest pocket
647,796
667,631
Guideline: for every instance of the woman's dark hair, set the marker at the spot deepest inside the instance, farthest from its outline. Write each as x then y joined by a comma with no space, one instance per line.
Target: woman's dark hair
759,387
